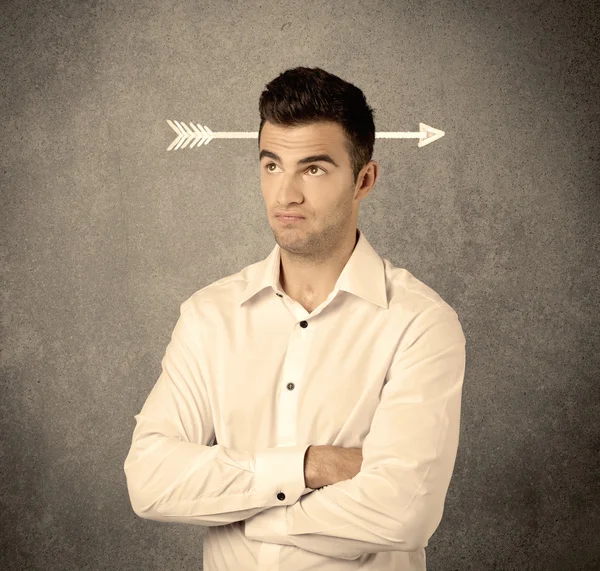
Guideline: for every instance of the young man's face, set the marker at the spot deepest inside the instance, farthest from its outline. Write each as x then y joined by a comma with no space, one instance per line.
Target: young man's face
321,192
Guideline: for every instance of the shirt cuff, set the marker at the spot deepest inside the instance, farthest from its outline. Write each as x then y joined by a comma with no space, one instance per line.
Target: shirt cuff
279,474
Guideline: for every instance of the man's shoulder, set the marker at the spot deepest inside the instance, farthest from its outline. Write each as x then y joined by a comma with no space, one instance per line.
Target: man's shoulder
409,294
220,293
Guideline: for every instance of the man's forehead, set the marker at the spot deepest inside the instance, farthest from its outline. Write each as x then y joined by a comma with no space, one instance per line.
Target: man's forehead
329,128
322,137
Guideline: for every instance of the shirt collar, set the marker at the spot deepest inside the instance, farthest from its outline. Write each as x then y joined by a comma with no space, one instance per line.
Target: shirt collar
363,275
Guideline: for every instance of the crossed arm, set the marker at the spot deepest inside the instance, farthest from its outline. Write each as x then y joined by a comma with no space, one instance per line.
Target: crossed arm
394,502
327,465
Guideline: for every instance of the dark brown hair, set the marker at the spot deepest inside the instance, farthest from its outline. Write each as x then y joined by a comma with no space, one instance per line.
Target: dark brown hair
303,95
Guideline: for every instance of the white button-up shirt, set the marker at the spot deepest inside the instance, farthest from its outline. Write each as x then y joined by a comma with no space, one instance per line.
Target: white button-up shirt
250,379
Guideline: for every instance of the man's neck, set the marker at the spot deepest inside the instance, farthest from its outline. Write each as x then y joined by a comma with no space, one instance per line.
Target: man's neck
311,288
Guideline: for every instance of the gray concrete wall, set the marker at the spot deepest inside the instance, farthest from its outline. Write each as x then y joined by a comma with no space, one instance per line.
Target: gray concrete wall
105,233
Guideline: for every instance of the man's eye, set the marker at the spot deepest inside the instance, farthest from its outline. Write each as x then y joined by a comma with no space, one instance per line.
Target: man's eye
308,169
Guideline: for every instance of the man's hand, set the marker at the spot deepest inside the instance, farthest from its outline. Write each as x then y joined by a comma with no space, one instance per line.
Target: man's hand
327,465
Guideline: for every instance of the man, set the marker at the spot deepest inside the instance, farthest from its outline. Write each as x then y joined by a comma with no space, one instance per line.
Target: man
308,407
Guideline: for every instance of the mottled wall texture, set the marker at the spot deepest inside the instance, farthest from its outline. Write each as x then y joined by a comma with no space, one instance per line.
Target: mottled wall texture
105,233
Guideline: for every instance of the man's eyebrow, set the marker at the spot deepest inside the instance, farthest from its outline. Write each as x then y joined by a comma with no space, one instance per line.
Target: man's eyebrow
312,159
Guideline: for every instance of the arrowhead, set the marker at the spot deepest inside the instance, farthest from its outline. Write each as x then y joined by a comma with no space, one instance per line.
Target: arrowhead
432,134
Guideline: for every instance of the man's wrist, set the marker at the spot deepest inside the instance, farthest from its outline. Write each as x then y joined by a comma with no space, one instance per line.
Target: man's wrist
318,466
309,468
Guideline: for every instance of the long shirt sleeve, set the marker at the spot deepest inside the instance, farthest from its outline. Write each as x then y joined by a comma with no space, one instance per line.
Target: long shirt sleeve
396,501
174,475
251,378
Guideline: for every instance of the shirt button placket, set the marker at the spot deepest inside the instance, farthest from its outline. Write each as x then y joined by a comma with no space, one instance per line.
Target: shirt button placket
290,386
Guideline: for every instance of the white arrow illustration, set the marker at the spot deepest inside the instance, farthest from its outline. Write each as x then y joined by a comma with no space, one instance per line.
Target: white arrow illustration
198,135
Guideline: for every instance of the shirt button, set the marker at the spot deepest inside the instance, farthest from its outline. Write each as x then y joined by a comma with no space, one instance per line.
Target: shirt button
303,324
290,386
281,496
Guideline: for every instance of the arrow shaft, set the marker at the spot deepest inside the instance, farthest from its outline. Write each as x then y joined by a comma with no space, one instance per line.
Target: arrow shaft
399,135
199,135
234,135
250,135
